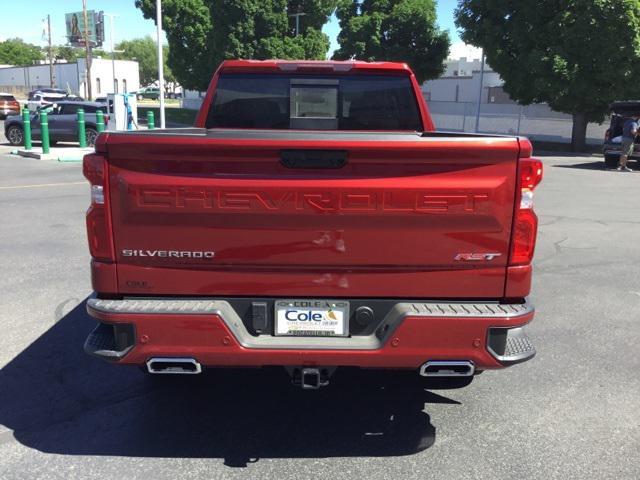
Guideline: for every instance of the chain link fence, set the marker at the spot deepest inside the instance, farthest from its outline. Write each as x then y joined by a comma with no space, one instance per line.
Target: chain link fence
537,122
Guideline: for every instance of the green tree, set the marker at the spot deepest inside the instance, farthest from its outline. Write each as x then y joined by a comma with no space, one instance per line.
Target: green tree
169,77
144,51
202,33
71,54
99,53
65,52
393,30
576,55
15,51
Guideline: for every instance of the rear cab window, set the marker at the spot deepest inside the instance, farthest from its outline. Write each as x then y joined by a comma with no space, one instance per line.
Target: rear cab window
314,102
7,98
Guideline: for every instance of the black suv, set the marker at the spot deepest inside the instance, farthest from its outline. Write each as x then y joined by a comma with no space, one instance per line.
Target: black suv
620,111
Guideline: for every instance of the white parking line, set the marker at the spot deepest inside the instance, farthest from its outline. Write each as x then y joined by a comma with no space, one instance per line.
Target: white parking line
41,185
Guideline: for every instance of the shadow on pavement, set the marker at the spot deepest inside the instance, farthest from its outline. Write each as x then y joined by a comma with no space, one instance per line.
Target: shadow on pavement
57,399
597,165
562,154
36,143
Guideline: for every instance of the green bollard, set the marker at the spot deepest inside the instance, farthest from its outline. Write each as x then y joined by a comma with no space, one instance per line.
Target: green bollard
82,133
150,121
26,121
44,131
99,121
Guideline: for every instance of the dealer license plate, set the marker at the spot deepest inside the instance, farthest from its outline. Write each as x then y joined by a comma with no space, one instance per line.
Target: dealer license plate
312,318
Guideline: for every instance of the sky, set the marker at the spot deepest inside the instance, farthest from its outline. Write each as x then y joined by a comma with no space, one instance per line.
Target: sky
27,23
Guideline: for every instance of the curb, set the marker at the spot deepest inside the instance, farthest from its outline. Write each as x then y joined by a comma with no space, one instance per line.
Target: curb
66,155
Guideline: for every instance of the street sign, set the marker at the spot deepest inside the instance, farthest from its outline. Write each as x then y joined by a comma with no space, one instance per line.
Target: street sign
76,28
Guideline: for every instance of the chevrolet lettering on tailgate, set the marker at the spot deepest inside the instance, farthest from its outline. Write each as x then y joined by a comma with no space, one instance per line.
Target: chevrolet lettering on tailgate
203,199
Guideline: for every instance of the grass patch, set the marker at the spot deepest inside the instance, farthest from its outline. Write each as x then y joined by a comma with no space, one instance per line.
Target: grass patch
182,116
168,102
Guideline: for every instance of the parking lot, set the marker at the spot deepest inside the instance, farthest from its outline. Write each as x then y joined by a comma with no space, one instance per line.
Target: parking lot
572,412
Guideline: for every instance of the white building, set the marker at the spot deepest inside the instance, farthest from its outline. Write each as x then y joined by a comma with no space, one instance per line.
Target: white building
453,105
192,99
461,67
461,83
72,76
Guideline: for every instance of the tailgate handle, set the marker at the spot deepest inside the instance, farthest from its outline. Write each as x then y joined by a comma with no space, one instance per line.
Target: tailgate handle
313,158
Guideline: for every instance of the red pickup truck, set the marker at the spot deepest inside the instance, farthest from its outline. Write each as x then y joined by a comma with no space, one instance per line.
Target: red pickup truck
312,218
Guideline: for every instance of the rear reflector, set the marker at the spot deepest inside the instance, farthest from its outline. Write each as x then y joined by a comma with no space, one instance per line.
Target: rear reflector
525,221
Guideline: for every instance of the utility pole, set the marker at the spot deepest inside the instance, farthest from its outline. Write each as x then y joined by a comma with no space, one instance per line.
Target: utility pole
52,78
113,52
160,61
480,92
87,50
297,17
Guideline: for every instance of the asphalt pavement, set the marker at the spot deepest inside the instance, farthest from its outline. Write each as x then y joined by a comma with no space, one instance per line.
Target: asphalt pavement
572,412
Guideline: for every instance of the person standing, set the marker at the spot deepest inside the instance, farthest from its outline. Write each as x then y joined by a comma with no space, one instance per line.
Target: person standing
629,133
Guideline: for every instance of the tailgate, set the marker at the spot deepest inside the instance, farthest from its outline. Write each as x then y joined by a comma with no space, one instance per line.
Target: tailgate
223,215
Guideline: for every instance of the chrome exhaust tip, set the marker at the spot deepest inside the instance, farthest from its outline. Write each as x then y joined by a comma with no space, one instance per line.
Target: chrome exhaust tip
447,368
173,366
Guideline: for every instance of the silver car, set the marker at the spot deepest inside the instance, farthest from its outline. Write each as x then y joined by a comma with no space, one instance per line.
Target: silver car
63,123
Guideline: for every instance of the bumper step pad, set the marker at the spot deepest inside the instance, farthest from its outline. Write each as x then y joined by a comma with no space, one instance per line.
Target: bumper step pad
103,341
510,345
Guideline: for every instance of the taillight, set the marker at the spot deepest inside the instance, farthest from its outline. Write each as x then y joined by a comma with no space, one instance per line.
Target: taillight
607,135
525,221
98,224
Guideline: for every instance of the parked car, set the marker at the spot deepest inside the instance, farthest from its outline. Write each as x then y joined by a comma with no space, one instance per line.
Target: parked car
8,105
53,92
63,123
43,99
313,218
620,112
152,93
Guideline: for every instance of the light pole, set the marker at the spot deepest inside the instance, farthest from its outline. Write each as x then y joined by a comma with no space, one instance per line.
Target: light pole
160,60
113,51
297,17
51,75
480,92
87,49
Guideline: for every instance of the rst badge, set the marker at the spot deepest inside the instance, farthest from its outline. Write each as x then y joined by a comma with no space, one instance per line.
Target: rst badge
313,318
476,257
